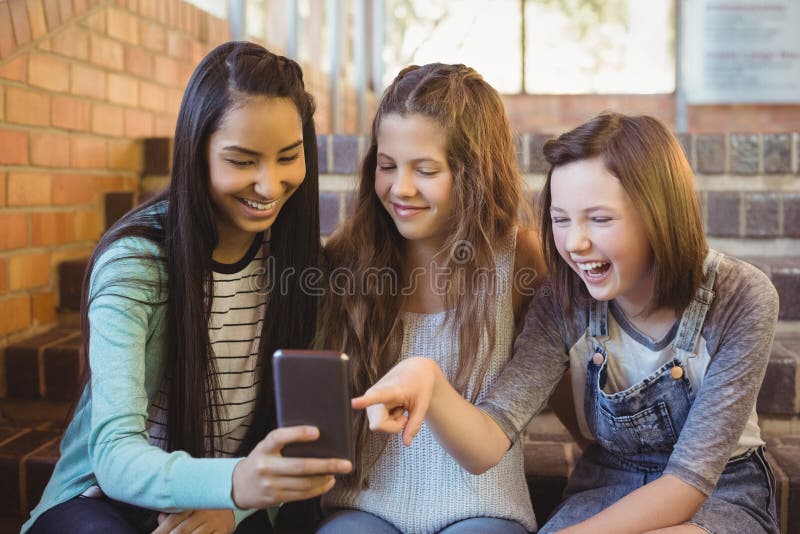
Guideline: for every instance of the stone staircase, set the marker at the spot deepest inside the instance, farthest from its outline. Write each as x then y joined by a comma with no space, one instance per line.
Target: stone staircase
752,214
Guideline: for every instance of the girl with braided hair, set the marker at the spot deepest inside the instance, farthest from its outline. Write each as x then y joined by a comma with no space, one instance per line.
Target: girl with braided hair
179,322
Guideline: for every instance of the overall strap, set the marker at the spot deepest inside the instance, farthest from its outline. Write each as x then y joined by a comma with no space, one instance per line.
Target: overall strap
598,320
694,316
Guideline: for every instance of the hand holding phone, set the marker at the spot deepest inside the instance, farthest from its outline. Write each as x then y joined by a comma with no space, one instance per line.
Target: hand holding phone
265,478
312,387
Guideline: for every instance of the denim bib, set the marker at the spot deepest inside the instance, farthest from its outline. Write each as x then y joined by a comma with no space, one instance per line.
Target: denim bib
638,427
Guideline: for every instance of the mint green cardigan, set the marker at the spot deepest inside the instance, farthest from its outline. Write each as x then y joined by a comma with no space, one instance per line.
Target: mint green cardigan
106,443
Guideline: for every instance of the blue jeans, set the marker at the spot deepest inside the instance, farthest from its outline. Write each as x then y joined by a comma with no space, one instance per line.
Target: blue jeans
84,515
358,522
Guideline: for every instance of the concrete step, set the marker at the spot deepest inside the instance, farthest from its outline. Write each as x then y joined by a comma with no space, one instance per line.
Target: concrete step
28,455
785,275
46,366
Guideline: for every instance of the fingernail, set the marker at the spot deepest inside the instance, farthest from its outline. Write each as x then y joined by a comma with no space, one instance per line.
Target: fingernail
311,431
344,466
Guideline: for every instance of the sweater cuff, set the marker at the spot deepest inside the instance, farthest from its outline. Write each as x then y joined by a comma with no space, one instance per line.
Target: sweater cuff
203,483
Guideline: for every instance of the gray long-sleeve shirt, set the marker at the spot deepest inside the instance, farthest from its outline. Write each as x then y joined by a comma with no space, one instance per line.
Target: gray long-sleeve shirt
726,373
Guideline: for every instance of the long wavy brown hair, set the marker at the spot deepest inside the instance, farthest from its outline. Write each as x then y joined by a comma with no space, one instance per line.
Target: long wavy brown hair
362,319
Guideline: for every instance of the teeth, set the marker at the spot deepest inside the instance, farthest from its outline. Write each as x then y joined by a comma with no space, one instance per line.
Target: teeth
590,265
259,206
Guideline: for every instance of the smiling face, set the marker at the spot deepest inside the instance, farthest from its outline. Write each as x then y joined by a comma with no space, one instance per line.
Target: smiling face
600,234
412,176
255,162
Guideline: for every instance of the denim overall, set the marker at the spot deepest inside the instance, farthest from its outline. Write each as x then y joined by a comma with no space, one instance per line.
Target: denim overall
637,428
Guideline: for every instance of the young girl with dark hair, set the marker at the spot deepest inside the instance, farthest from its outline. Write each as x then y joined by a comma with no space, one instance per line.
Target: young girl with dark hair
180,318
426,266
666,343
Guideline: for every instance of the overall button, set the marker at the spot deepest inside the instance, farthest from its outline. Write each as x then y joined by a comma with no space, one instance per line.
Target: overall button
676,372
598,358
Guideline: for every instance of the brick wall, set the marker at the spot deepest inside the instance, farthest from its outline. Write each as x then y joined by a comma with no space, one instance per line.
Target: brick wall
81,82
558,113
748,186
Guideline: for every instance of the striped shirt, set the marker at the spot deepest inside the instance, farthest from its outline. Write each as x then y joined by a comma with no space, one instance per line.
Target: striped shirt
234,331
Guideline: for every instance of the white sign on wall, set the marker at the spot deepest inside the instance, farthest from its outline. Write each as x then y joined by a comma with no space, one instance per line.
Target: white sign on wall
740,51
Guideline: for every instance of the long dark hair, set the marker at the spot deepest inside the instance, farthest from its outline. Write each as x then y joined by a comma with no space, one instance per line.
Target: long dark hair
187,236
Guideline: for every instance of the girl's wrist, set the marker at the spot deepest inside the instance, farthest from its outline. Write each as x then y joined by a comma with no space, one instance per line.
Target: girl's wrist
439,381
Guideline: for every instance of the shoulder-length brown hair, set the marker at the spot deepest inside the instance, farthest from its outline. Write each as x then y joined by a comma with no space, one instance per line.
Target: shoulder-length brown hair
650,164
366,322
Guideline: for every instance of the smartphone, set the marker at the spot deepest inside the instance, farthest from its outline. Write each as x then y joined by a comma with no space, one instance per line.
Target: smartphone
312,387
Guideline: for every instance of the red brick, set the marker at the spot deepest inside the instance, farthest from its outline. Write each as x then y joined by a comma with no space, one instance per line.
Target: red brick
80,7
96,21
152,96
60,256
15,496
36,18
88,225
71,113
105,184
72,42
26,107
65,6
125,155
27,271
153,37
123,90
15,230
16,314
19,18
52,228
13,147
48,72
174,97
49,149
7,43
138,123
107,120
46,45
138,62
123,26
172,13
52,14
28,189
105,52
148,9
88,81
87,152
2,189
164,126
43,307
199,52
185,70
3,276
166,71
70,189
63,363
178,46
17,68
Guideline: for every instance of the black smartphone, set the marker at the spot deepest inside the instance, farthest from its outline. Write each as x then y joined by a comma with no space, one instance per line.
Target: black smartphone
312,387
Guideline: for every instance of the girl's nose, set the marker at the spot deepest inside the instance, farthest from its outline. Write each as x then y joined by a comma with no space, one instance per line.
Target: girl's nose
267,183
577,240
403,185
